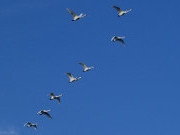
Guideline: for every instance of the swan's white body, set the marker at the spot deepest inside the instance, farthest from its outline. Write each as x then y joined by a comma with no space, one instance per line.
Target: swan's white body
45,112
52,97
114,39
31,125
121,12
85,67
71,78
76,17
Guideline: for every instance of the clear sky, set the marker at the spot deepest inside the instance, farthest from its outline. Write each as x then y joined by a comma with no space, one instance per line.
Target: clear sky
133,90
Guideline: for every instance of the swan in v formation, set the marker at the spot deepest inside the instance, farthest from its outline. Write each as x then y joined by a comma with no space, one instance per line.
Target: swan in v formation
31,125
52,97
120,39
71,78
85,67
45,112
121,12
75,17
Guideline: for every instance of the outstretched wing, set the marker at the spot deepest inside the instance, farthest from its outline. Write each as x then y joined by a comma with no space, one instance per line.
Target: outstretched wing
58,99
25,123
82,64
112,39
71,12
117,8
48,115
51,94
122,41
35,126
69,74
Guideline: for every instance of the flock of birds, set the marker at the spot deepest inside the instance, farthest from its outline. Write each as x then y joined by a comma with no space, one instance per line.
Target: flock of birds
85,68
52,96
120,13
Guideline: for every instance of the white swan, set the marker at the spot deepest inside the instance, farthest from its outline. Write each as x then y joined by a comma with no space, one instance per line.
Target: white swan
45,112
52,96
121,12
71,78
118,39
31,125
85,67
76,17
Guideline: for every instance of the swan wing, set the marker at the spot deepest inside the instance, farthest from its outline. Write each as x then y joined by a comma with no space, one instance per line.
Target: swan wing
82,64
117,8
71,12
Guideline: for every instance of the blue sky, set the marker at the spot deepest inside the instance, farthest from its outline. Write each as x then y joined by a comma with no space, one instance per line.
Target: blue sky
133,90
